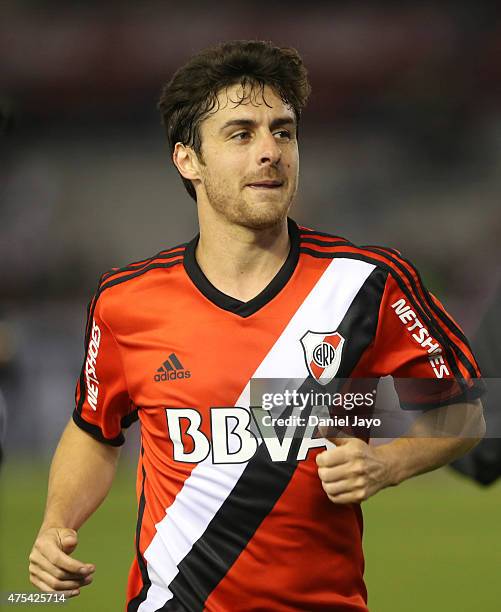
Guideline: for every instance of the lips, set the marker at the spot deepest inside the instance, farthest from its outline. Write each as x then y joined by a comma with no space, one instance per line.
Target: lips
266,184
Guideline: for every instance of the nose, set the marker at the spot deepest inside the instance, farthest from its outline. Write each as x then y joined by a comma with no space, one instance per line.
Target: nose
269,152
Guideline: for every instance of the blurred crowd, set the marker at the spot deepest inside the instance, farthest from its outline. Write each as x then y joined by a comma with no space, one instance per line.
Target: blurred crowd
400,146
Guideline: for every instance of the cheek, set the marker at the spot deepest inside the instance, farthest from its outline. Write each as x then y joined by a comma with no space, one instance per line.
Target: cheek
293,168
292,161
222,168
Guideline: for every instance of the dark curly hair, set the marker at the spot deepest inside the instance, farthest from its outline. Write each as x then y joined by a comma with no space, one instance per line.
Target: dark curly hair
191,95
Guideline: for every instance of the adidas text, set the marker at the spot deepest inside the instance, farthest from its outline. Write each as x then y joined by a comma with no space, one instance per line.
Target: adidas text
172,375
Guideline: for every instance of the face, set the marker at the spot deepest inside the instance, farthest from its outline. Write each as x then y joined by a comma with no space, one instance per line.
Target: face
249,163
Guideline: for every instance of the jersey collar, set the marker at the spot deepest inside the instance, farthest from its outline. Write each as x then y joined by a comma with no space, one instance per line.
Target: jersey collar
226,302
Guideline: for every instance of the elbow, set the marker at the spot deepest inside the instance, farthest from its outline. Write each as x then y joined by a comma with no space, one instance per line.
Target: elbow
477,427
482,428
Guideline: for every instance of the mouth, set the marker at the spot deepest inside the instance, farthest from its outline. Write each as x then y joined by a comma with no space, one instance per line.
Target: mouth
267,184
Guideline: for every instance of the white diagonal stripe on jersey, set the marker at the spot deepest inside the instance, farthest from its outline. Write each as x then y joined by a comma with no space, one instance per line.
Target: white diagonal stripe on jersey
196,504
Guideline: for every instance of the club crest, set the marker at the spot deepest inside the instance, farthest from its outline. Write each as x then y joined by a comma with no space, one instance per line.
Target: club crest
322,352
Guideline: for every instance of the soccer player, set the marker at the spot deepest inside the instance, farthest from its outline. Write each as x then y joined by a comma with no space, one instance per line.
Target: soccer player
226,521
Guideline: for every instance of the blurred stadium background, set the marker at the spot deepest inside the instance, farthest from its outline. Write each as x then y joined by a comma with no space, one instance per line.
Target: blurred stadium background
400,145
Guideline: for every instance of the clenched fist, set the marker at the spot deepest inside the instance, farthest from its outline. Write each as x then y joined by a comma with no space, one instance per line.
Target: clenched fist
352,471
51,567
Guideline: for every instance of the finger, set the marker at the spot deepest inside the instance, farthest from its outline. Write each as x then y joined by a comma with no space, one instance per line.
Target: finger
332,457
353,497
351,468
60,559
68,539
351,485
337,473
38,560
60,585
45,588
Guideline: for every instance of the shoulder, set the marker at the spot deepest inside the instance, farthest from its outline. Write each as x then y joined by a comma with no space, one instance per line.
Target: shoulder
119,281
322,242
330,246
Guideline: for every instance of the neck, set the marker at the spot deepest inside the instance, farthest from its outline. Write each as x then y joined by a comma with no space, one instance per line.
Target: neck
241,261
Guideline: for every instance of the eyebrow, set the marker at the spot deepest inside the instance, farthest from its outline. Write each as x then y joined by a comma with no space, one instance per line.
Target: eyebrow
278,122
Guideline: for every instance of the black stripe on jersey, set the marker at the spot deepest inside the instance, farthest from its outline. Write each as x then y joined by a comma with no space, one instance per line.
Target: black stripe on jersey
360,322
430,323
141,596
96,432
377,246
326,243
169,254
308,232
249,503
123,279
446,320
90,315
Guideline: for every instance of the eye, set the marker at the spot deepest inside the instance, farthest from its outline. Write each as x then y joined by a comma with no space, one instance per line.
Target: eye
283,134
241,136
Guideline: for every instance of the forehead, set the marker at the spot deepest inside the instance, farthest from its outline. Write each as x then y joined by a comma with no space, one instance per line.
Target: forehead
250,101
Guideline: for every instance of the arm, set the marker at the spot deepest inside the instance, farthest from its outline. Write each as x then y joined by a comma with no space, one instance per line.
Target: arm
353,471
80,477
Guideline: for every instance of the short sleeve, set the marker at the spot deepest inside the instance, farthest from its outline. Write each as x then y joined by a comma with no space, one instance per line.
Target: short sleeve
103,406
421,346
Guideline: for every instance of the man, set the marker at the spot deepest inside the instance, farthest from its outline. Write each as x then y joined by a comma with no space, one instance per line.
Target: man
174,341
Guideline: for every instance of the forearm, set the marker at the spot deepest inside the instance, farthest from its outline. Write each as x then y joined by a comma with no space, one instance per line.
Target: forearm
408,457
455,431
81,475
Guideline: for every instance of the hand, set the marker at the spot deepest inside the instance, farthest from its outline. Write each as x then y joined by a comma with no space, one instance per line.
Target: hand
351,472
51,567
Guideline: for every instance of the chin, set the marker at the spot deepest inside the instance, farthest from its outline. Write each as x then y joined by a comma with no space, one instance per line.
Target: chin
261,215
263,218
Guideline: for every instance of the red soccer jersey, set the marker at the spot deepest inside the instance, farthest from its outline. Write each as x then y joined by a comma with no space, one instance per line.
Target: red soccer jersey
166,347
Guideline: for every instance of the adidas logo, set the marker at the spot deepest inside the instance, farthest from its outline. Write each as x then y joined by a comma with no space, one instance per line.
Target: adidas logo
171,369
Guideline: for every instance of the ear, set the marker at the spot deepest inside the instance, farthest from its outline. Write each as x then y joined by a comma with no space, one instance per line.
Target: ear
186,161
